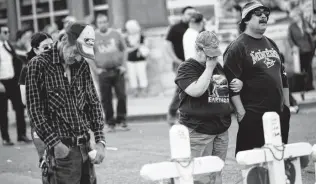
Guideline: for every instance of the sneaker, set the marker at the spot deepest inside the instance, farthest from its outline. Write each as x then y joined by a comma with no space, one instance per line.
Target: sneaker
24,139
294,109
111,129
7,143
125,127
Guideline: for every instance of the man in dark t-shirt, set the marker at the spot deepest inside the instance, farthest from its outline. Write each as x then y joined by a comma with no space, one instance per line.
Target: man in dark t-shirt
204,101
175,36
255,60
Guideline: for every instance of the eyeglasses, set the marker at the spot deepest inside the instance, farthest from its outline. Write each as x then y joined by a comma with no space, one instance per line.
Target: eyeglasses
47,47
258,13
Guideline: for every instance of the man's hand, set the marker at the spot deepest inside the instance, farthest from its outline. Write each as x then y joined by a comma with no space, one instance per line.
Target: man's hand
211,62
240,115
61,150
99,147
236,85
2,88
122,69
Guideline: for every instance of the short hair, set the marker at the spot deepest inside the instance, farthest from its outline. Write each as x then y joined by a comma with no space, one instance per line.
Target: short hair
71,38
100,15
186,8
197,17
36,40
20,33
242,24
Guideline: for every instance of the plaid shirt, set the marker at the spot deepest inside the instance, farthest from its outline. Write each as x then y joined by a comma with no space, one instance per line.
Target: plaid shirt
58,108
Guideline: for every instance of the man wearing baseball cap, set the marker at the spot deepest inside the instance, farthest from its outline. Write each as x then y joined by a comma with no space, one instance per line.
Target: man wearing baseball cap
204,101
255,59
63,105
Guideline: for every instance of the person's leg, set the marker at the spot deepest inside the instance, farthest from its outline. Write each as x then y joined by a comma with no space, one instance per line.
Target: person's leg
309,70
132,77
121,111
14,95
220,147
173,108
201,145
250,133
285,124
68,170
4,117
142,76
106,83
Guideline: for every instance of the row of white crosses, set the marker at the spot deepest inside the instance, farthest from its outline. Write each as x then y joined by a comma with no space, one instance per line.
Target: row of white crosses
182,167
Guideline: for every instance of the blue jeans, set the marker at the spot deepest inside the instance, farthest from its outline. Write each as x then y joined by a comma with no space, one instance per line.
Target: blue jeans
208,145
75,168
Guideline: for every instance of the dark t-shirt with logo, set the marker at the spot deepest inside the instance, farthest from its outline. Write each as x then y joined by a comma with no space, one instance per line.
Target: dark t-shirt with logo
257,63
209,113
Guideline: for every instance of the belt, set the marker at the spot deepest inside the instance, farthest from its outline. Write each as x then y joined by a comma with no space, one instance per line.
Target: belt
76,141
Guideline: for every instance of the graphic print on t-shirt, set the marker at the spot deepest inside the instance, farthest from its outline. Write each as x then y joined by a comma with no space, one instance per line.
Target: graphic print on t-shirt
268,57
218,91
107,46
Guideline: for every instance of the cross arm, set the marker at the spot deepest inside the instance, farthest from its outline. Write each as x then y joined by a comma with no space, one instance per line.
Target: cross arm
166,170
257,156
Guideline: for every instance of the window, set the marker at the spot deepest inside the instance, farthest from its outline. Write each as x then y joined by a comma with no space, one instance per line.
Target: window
42,22
100,2
25,7
60,5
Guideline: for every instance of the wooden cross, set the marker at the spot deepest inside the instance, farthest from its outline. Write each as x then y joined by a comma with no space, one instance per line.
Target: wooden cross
274,152
182,167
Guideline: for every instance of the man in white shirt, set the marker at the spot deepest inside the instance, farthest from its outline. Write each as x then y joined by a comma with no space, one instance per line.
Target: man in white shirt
196,25
10,68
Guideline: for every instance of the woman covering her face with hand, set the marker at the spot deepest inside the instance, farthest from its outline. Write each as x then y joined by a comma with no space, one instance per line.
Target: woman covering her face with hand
40,42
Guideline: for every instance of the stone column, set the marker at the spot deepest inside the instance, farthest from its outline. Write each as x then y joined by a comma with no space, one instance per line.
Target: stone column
117,12
12,20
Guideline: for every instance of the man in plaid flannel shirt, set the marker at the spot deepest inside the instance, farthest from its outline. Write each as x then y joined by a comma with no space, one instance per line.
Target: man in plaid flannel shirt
63,105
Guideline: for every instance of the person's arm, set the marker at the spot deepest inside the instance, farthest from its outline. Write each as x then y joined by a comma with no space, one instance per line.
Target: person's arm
191,83
171,53
233,68
291,39
35,103
285,84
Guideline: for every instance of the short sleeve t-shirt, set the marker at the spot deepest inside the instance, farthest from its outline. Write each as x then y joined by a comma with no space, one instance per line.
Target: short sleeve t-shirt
109,49
209,113
257,63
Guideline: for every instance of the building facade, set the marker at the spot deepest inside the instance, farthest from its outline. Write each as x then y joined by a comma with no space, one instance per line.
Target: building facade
36,14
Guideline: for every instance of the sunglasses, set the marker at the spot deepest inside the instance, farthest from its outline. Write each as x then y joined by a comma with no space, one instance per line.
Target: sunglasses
258,13
5,32
47,47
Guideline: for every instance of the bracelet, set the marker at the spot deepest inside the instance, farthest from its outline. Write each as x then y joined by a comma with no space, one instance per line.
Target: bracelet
103,143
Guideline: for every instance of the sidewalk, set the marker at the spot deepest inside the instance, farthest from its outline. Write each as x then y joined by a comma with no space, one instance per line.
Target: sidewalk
157,107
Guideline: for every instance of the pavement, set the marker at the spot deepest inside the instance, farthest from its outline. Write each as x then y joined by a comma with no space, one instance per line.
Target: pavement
157,107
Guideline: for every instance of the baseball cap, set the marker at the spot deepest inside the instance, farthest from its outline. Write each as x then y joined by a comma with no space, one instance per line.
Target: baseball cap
69,19
209,42
249,7
85,37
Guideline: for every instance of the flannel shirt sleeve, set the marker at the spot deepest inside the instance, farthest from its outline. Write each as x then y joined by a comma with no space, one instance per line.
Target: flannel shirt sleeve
96,115
34,81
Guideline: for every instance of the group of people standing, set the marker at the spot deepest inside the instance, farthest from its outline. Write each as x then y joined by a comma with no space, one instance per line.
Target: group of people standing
209,92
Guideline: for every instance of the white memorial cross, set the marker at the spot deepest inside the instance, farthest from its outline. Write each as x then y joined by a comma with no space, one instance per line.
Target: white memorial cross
182,167
314,158
274,152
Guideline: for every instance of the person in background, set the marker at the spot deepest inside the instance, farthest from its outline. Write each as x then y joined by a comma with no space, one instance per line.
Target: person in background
136,60
175,36
40,42
52,29
23,43
301,41
196,25
66,21
10,68
109,65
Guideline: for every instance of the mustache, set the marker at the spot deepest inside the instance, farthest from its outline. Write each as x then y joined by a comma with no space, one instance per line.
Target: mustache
263,20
